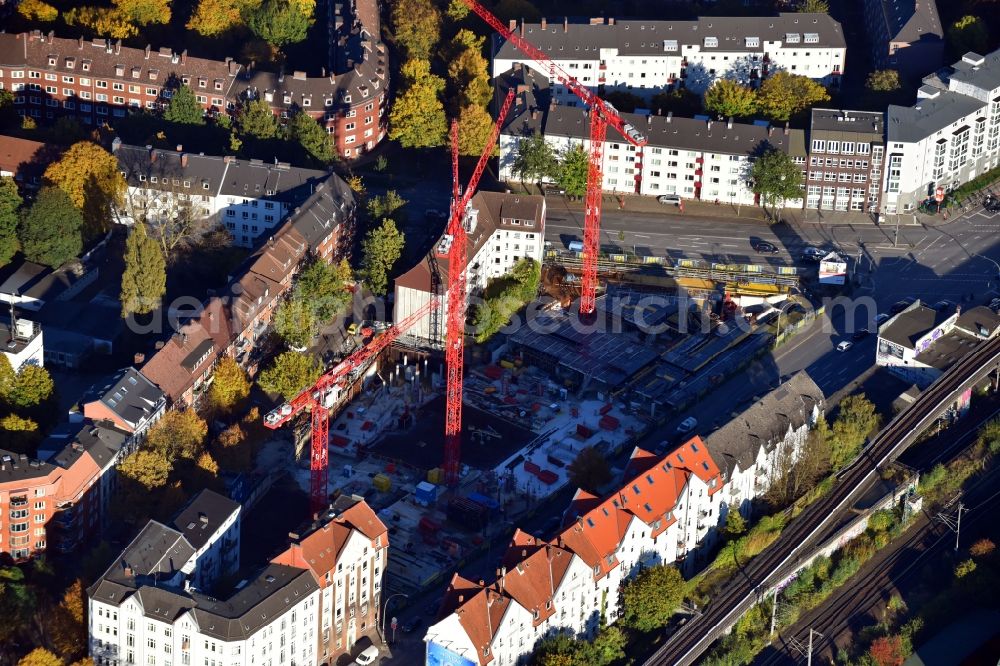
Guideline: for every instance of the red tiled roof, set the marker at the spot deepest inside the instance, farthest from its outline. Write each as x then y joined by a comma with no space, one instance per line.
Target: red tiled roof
174,367
693,456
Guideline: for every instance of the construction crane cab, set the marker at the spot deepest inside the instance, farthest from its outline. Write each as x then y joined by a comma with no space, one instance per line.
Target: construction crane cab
634,135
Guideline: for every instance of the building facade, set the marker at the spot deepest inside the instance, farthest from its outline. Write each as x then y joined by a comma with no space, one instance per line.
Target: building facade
128,399
502,230
846,154
950,135
650,57
905,36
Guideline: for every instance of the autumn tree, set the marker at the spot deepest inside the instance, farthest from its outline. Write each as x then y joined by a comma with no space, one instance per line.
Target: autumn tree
417,119
314,139
230,385
40,657
776,178
652,597
36,10
730,99
255,119
279,22
968,33
65,624
90,176
887,651
589,470
417,27
883,80
104,21
814,7
475,126
571,173
856,420
289,373
783,95
19,433
233,450
982,548
380,250
149,468
31,387
214,17
10,202
184,108
179,434
144,280
49,231
468,71
144,12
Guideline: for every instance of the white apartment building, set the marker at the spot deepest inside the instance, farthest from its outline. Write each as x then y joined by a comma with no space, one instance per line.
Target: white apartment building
950,135
502,229
650,57
250,198
694,158
569,583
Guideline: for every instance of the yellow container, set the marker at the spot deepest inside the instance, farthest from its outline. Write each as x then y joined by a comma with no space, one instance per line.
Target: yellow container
382,482
435,475
489,389
506,364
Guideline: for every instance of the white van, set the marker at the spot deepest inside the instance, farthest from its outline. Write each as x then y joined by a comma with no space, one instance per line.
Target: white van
367,656
575,246
671,199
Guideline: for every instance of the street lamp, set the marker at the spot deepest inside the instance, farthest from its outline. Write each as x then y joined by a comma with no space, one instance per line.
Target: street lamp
385,607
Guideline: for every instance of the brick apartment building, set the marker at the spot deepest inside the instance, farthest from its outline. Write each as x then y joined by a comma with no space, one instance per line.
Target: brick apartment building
98,80
846,151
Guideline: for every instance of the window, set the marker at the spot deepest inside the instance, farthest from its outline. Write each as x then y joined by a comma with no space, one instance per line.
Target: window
711,41
752,42
833,147
819,145
792,37
811,38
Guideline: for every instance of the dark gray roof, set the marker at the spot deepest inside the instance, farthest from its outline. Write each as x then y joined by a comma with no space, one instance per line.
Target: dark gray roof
331,203
584,41
16,467
949,348
129,394
157,553
276,589
40,282
100,439
764,424
911,20
868,124
203,515
911,324
909,124
975,321
983,72
256,179
196,169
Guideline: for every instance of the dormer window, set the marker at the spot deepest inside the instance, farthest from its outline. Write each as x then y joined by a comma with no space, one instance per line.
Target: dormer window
186,80
136,72
153,73
70,63
287,99
218,84
711,42
86,65
119,70
52,61
306,101
202,83
328,101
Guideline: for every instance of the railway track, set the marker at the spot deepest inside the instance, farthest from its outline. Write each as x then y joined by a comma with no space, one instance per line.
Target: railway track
691,640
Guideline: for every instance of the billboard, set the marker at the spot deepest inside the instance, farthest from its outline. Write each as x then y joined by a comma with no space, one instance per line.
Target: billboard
438,655
832,269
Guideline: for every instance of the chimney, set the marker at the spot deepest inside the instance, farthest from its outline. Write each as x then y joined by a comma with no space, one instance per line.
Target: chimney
152,155
461,598
184,160
544,23
522,27
147,51
649,120
52,36
118,47
184,56
611,20
709,123
565,24
729,123
770,130
139,358
670,116
786,129
180,148
79,45
512,25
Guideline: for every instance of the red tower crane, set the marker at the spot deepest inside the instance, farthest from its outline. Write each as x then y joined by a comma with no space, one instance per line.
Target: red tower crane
455,240
602,114
315,398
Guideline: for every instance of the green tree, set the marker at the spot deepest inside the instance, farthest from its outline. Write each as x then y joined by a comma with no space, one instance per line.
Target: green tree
856,420
91,177
735,524
534,160
557,650
417,119
304,130
324,287
49,231
776,178
289,374
390,205
572,171
814,7
681,101
180,433
968,33
417,27
380,250
256,120
278,22
295,322
31,387
148,468
7,377
783,95
457,10
10,201
608,647
184,108
475,126
883,80
145,278
589,470
652,597
230,385
730,99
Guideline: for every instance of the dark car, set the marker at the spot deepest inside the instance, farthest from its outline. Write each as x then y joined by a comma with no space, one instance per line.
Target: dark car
944,306
899,306
412,625
763,247
861,335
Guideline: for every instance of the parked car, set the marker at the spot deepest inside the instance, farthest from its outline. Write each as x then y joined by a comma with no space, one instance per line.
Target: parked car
367,656
763,247
575,246
861,335
669,199
944,306
813,254
552,190
687,425
881,318
845,346
899,306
